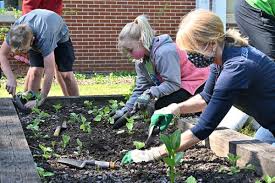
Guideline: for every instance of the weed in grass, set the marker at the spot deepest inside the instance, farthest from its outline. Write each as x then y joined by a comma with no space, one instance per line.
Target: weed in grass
172,143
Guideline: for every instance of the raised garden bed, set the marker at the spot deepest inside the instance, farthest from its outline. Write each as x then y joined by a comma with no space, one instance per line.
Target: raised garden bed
104,143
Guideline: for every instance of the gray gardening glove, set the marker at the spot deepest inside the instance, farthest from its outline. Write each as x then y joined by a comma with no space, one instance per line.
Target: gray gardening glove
143,100
119,113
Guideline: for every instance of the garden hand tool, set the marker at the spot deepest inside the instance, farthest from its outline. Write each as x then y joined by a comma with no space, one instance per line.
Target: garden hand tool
83,163
153,131
19,102
62,125
123,119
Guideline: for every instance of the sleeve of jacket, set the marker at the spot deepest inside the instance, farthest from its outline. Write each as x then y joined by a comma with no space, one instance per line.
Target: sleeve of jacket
142,84
167,65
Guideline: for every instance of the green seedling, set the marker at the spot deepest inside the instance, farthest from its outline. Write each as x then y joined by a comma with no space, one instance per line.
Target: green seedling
266,179
85,126
139,145
57,107
43,115
27,96
65,140
172,143
191,179
42,173
234,168
130,124
80,146
88,104
47,151
34,126
73,118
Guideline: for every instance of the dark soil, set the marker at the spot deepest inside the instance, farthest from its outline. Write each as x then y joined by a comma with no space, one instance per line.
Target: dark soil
103,143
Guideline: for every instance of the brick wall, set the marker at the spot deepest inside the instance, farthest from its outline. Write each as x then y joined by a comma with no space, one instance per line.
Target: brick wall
95,25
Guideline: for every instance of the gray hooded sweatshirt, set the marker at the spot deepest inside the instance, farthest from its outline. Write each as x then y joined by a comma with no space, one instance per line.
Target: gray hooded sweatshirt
166,66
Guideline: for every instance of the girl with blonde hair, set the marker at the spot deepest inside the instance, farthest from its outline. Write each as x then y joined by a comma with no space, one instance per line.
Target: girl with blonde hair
240,75
163,71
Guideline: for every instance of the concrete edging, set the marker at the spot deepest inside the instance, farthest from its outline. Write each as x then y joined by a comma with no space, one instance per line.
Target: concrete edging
223,141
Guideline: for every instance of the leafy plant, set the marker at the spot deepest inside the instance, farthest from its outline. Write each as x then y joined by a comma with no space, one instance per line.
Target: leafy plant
34,126
43,173
85,126
138,144
80,146
266,179
47,151
172,143
234,168
65,140
130,124
88,104
57,107
191,179
73,118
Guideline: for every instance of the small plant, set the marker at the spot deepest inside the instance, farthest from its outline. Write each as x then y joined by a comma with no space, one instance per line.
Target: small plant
266,179
65,140
73,118
191,179
88,104
80,146
42,173
234,168
85,126
57,107
130,124
172,143
47,151
34,126
139,145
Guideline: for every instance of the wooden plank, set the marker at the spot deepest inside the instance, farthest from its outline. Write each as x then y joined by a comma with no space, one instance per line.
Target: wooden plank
16,162
223,141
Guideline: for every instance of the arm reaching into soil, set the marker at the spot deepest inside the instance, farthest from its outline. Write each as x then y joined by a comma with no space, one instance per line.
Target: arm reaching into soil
188,139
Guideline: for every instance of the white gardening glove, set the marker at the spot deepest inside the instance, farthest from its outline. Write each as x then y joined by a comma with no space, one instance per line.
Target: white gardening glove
138,156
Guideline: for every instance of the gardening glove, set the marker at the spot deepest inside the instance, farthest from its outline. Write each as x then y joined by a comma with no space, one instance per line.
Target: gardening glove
164,116
143,100
138,156
120,113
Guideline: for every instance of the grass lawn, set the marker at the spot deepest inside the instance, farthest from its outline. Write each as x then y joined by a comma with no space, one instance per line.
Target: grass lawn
96,85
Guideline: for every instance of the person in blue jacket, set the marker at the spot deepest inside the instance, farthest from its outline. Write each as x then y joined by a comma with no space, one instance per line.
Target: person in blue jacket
240,75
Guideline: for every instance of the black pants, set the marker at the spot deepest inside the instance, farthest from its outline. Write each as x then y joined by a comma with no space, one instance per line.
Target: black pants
257,25
176,97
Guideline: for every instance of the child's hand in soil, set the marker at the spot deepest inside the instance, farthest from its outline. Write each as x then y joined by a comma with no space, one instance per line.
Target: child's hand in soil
138,156
164,116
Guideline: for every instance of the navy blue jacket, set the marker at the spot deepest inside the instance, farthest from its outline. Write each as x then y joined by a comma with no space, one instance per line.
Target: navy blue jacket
246,80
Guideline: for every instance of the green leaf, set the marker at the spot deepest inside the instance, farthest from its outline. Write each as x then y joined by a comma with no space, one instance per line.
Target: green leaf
98,118
267,179
130,126
170,162
191,179
166,140
48,174
178,157
175,139
138,144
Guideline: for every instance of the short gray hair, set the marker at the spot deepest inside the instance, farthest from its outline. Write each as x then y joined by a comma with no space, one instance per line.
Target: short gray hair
20,36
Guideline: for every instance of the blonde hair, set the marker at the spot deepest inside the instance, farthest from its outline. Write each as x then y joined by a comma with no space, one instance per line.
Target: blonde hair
20,36
201,27
138,30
